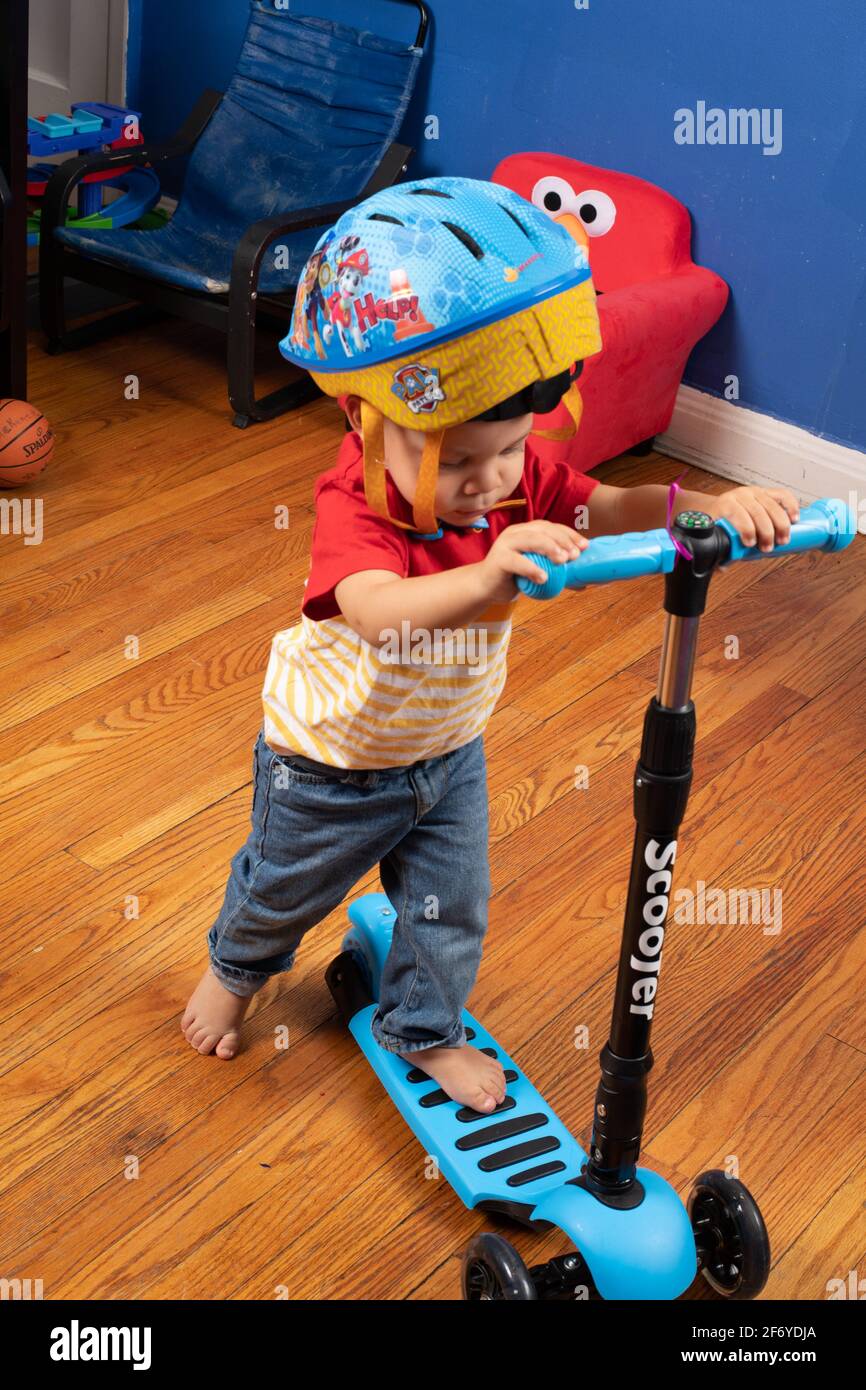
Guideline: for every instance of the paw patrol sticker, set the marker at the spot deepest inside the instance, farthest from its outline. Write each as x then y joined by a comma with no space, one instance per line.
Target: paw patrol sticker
332,290
310,304
418,387
353,264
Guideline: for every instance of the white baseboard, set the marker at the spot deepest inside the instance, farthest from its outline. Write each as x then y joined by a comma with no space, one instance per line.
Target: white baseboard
749,447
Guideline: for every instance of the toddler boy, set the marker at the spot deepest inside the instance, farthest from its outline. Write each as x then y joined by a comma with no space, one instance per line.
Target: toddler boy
471,308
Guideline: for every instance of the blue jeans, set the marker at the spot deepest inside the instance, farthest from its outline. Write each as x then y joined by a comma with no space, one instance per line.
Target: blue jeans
315,834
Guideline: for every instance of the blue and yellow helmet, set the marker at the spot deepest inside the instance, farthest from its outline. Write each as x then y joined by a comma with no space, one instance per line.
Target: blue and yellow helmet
435,301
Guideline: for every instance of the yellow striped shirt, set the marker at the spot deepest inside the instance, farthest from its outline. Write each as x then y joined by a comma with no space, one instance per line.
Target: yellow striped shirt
331,695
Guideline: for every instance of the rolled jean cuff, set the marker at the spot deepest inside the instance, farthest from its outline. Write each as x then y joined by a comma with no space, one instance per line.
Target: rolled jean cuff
242,982
389,1043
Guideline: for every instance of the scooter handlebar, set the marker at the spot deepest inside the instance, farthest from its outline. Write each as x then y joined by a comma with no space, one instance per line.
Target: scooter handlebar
824,525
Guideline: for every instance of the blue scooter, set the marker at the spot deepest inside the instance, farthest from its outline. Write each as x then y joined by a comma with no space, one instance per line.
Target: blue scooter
633,1236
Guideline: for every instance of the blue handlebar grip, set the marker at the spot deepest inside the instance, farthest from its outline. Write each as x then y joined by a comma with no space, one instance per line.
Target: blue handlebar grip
605,558
824,525
828,524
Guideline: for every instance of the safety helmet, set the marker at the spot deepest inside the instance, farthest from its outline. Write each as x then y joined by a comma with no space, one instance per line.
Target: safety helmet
441,301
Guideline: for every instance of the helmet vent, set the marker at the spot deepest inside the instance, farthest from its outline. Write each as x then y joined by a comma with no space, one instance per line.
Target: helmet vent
468,241
516,219
430,193
385,217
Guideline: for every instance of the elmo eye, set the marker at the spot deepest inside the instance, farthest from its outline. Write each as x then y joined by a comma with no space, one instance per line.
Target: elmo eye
553,195
596,211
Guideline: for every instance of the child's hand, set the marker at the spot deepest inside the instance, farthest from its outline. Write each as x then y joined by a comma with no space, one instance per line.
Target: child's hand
505,558
761,515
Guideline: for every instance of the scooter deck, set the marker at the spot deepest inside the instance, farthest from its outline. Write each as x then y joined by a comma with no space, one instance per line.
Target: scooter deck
504,1161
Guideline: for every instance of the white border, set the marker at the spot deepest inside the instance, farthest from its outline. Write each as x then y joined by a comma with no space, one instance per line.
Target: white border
748,447
118,40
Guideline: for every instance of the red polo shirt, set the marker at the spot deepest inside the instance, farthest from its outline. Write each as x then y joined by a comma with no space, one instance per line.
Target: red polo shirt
349,537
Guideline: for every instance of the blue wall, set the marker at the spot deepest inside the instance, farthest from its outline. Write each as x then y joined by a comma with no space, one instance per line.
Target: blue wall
786,231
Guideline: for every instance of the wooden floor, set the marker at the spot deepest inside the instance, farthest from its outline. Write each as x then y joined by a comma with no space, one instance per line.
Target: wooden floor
131,1166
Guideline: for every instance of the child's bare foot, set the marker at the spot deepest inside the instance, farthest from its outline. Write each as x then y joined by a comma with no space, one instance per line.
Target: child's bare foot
213,1017
464,1073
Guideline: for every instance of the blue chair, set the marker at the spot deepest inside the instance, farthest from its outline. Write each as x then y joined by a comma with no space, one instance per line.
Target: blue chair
305,130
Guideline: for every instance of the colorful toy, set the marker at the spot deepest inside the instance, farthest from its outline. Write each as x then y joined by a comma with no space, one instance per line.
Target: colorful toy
654,303
26,442
93,125
633,1235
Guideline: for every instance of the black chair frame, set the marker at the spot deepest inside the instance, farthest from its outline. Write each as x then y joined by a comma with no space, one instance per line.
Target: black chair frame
235,313
13,199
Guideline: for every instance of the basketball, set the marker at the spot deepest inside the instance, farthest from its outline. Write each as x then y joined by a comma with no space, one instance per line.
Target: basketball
26,442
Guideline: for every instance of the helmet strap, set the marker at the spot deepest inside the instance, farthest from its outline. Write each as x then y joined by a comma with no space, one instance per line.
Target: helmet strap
423,507
573,402
424,516
373,438
509,502
373,444
375,485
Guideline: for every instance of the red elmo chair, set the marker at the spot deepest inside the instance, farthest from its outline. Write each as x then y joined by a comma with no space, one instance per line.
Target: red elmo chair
655,302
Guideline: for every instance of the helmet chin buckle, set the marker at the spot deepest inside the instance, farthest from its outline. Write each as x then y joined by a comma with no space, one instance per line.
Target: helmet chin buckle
426,535
482,524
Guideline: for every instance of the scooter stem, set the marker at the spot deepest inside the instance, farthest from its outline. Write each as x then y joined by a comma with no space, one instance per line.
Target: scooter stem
661,788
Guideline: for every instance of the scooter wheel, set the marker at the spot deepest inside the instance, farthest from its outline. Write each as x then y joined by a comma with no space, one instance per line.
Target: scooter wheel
730,1235
493,1270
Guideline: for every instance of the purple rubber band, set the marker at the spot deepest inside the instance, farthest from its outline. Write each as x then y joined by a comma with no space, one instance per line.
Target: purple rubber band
672,492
